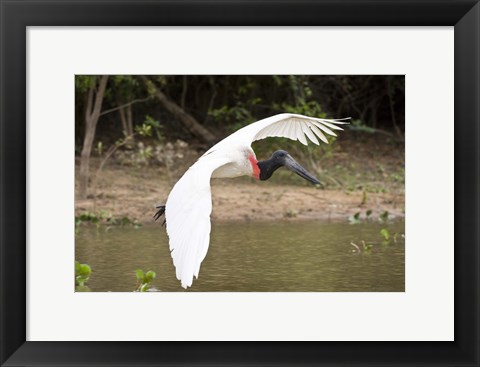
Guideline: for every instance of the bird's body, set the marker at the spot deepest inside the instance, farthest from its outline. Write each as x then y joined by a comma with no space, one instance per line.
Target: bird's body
241,160
189,204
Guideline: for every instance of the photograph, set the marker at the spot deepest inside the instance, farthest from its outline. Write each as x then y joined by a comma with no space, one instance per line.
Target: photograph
274,158
239,183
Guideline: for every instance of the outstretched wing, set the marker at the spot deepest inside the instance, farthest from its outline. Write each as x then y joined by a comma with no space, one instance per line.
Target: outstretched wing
187,214
296,127
286,125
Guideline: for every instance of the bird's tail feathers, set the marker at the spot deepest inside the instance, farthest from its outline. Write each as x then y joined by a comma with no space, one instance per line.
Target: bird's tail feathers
160,212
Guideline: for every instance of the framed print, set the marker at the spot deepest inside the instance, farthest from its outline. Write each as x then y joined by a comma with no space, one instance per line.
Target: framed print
423,57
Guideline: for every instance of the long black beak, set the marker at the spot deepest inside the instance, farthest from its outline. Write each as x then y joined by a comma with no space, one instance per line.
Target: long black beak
294,166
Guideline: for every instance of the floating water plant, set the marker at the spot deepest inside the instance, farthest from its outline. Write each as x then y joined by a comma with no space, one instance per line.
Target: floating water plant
82,275
144,280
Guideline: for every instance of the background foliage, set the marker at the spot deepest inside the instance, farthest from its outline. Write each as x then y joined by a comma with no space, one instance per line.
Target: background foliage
223,104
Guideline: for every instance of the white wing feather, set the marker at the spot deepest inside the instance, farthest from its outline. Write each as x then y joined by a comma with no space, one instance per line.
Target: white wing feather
187,214
292,126
285,125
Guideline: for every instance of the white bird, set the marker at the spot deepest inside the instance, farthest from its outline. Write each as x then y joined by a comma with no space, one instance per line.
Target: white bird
188,207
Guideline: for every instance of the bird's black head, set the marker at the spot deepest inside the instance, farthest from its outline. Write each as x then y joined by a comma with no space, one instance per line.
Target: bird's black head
279,159
280,155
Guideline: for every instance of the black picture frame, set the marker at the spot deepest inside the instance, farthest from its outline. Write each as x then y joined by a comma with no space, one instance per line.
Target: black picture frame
16,15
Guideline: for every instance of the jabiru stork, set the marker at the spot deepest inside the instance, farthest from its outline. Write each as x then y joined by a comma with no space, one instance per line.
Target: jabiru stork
189,204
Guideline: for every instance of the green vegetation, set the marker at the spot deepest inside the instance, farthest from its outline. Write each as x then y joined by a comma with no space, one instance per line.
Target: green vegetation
144,280
83,272
388,237
384,217
290,213
366,247
105,219
357,218
82,275
385,233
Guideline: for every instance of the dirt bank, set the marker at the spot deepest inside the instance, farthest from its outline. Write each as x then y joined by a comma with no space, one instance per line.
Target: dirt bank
134,193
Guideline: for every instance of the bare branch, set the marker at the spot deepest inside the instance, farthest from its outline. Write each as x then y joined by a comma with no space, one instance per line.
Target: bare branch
124,105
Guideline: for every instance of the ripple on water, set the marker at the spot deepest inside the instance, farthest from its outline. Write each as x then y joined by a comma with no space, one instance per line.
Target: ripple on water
254,257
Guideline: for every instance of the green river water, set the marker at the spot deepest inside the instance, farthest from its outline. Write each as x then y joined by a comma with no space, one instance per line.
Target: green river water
252,257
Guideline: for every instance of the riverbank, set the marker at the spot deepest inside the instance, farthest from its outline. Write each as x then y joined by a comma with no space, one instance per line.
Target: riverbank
238,201
361,175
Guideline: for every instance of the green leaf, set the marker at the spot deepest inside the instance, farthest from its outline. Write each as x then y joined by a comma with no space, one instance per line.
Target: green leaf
144,287
384,216
82,270
149,120
354,219
150,275
125,221
369,212
385,233
85,270
77,268
139,274
367,246
364,198
144,129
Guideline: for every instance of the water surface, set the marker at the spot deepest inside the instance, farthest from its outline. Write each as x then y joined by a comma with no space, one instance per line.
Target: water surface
252,257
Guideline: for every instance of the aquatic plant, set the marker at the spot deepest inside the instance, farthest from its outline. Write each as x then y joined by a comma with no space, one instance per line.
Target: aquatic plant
82,275
385,234
368,213
388,238
366,247
144,280
384,217
355,219
104,218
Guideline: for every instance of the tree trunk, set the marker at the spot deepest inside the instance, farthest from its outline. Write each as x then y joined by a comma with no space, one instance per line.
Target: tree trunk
129,120
123,119
188,121
126,117
92,113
